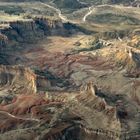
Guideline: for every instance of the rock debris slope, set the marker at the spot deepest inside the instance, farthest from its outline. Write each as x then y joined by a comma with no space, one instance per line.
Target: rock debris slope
69,70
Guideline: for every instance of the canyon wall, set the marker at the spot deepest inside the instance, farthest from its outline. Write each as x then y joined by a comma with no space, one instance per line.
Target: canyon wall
17,79
30,31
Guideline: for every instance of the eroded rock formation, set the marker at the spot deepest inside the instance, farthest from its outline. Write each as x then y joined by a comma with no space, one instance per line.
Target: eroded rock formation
45,93
17,79
66,116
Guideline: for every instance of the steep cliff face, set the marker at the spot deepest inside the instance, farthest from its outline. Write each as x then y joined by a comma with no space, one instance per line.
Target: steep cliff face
62,62
3,40
21,32
51,27
30,31
17,79
65,116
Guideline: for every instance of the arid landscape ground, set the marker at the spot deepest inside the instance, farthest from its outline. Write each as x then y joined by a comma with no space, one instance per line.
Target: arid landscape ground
69,70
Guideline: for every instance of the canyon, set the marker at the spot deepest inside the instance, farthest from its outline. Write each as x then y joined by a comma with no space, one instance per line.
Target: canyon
69,70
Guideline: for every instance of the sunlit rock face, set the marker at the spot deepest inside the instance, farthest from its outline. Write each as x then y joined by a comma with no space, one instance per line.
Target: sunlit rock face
77,117
66,116
17,79
69,70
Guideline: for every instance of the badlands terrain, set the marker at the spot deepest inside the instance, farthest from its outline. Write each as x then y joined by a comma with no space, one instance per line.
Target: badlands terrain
69,70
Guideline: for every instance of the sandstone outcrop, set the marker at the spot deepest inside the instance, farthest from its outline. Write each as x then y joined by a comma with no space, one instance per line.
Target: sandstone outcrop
47,58
33,29
29,31
3,41
66,116
17,79
51,27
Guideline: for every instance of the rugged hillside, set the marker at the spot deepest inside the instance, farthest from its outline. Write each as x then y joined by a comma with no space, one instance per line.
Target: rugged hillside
125,2
60,117
69,70
114,14
77,3
72,4
17,79
30,31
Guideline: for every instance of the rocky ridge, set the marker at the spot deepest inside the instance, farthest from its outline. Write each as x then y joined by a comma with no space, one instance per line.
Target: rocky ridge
63,109
45,91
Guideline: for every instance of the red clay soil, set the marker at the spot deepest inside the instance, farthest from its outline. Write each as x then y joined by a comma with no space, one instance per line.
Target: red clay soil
22,104
25,107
